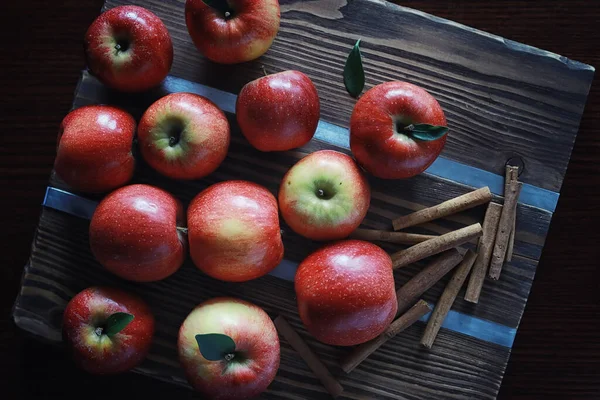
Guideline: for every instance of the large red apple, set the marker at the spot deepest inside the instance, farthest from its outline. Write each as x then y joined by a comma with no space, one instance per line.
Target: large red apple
184,136
229,349
384,130
324,196
129,49
137,233
232,31
233,231
278,112
107,330
346,293
94,149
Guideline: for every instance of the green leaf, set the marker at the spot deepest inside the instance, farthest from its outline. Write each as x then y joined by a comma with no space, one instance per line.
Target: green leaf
219,5
215,346
354,74
117,322
426,132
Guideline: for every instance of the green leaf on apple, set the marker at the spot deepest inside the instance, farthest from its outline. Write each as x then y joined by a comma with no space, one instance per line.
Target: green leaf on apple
354,74
426,132
219,5
117,322
215,346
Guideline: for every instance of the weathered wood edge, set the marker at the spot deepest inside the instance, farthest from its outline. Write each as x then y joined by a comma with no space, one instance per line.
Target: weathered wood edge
513,45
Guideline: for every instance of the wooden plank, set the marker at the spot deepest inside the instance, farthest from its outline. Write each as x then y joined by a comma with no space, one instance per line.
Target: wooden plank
387,202
497,95
502,98
61,265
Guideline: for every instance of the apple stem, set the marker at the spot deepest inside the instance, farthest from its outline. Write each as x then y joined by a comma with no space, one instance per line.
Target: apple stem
264,70
99,331
409,128
182,230
229,356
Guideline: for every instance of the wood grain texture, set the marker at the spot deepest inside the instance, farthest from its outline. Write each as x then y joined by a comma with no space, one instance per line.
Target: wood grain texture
41,59
387,201
501,98
59,268
61,264
244,162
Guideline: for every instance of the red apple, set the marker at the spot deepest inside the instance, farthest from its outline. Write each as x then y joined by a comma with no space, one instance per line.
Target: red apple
346,293
184,136
324,196
278,112
380,136
229,349
94,149
129,49
107,330
232,31
233,230
137,233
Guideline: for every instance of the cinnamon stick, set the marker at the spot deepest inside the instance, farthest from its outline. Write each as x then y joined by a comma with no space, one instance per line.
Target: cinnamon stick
436,245
449,207
320,370
511,242
447,299
511,174
485,247
420,283
504,227
391,237
361,352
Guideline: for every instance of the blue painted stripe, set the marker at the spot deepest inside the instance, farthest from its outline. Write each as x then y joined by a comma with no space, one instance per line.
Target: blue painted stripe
462,323
471,176
70,203
455,171
478,328
339,136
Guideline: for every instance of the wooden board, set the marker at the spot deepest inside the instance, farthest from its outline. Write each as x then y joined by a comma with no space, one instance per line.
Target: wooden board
496,94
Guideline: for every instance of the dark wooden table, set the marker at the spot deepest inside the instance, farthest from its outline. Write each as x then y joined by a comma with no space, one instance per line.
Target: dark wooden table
557,349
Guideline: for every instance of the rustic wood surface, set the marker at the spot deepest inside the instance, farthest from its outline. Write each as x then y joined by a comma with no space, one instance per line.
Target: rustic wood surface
61,265
40,66
501,99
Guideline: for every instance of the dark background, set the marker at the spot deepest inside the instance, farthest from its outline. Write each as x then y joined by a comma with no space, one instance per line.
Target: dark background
557,349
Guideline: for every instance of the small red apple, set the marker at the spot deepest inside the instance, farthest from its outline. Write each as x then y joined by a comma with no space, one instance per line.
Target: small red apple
107,330
129,49
137,233
232,31
278,112
184,136
382,130
346,294
94,149
229,349
233,231
324,196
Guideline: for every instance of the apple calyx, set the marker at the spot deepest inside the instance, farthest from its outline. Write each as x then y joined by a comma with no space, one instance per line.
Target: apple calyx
122,45
425,132
175,133
216,347
114,324
220,5
325,190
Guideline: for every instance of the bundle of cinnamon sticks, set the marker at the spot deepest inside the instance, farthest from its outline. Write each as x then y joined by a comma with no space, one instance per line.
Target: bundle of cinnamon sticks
494,240
494,245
